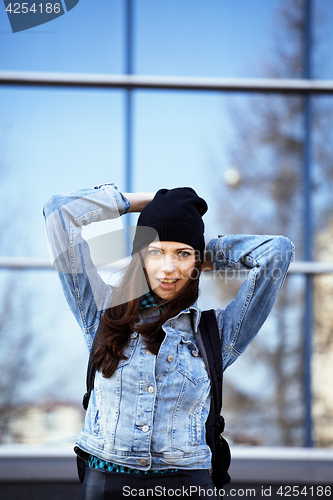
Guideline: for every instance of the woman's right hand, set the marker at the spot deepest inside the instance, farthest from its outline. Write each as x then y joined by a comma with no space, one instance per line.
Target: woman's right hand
138,201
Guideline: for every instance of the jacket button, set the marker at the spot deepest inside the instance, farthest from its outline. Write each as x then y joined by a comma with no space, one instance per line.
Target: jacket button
145,428
195,353
151,389
143,462
170,358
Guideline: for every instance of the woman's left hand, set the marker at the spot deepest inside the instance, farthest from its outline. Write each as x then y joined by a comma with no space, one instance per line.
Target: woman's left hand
207,264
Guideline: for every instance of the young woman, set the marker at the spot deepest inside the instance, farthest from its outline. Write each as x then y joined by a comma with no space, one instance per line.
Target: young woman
144,432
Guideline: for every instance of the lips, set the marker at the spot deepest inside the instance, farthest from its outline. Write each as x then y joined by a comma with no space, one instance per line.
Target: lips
168,284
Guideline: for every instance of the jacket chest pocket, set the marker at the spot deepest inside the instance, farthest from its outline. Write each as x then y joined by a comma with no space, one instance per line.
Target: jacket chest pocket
190,362
129,350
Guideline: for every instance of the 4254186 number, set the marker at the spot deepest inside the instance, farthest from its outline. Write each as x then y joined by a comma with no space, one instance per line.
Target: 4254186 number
23,8
304,491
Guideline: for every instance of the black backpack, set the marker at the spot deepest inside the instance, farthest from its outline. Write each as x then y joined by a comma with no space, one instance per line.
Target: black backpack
208,340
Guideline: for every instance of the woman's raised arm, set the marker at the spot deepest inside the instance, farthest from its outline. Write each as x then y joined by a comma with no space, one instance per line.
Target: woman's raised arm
267,259
65,214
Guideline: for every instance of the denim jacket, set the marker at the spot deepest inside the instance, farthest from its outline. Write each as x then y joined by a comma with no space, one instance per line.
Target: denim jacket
151,413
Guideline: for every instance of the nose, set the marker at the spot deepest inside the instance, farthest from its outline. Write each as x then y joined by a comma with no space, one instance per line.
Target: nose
168,264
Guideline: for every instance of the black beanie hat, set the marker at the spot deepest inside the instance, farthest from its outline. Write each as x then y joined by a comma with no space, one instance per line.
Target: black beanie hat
175,215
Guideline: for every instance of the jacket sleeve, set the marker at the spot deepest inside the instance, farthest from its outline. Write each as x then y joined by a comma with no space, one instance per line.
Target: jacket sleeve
65,214
267,259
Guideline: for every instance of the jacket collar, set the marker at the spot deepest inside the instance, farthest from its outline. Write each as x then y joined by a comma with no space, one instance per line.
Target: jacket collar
194,311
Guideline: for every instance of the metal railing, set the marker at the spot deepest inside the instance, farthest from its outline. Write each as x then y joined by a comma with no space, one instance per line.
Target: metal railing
78,80
22,463
44,264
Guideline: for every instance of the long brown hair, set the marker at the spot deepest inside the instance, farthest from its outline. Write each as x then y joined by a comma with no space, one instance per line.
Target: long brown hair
122,318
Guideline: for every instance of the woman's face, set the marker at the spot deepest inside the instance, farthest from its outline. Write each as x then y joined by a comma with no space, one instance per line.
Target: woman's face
169,266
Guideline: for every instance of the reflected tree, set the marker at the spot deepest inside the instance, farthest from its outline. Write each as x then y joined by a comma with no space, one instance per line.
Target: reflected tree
262,184
16,333
16,339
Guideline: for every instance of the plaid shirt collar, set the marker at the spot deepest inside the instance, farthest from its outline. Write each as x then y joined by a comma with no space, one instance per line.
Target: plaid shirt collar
148,300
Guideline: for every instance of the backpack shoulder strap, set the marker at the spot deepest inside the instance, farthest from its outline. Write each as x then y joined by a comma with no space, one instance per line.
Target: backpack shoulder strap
91,371
208,340
208,335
